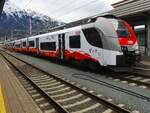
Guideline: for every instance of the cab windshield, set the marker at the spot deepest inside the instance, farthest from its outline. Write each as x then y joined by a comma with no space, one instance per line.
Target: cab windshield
120,28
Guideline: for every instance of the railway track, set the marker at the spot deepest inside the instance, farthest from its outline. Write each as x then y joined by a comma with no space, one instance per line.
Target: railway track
135,79
39,98
59,95
142,70
138,78
132,79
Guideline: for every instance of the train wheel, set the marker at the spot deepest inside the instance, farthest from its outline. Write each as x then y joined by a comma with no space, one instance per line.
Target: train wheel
93,66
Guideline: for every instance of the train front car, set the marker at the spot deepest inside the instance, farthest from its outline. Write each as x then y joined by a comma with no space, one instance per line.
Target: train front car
128,43
120,46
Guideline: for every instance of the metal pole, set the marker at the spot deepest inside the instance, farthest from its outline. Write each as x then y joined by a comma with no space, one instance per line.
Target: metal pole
146,35
30,23
12,34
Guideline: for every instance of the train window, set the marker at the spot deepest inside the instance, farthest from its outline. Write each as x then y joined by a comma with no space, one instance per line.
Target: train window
74,41
120,27
48,46
17,45
122,30
93,37
24,44
31,43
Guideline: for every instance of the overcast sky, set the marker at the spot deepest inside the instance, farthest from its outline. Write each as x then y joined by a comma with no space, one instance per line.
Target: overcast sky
66,10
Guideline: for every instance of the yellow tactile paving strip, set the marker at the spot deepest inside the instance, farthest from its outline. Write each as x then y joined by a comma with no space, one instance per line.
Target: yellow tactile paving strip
2,103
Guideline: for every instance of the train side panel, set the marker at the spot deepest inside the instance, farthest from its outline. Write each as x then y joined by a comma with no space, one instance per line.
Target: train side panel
48,46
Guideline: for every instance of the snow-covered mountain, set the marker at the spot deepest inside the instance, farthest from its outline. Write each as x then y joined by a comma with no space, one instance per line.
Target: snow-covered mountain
15,22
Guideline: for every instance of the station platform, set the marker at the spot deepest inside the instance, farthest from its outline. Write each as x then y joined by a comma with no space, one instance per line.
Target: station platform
13,97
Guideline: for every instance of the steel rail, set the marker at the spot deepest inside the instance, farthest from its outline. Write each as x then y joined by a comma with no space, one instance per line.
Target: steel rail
56,105
94,97
101,82
123,78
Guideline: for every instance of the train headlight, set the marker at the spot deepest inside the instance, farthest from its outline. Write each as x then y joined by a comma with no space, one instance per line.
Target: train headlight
130,42
137,52
123,48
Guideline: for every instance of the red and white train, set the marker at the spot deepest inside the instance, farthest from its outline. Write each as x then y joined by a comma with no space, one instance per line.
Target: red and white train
106,41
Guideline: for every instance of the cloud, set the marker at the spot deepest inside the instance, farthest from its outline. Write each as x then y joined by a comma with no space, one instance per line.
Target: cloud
67,10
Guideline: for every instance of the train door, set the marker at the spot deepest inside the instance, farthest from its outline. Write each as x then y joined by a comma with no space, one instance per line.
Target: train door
61,42
21,44
27,44
37,45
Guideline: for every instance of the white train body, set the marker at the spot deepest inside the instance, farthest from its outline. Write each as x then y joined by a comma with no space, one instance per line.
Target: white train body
104,42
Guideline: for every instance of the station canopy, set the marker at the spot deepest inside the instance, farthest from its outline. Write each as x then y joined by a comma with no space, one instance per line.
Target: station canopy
136,12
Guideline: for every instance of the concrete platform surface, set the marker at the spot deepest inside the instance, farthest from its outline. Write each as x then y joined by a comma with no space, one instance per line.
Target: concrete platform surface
15,98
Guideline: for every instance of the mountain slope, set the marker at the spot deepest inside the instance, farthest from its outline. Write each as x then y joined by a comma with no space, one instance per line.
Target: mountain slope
15,22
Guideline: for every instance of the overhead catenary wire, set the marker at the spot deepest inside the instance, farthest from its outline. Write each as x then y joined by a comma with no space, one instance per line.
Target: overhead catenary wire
77,8
63,7
43,10
27,4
